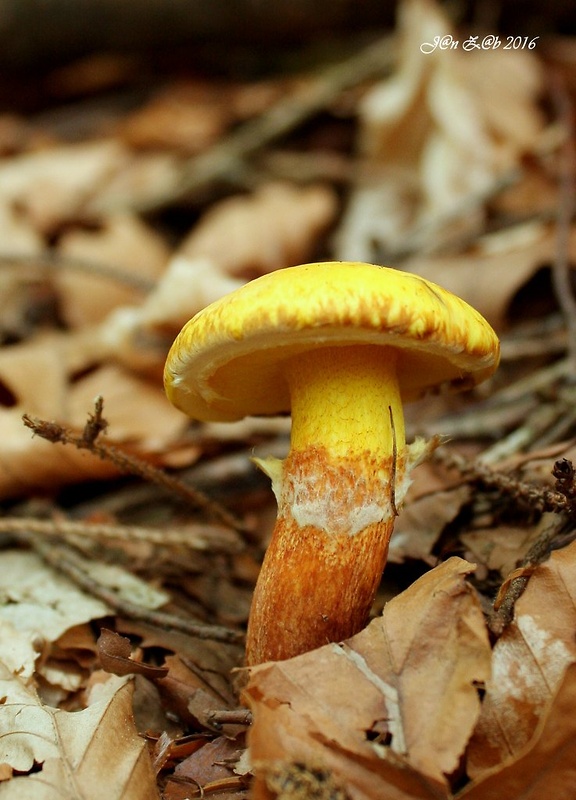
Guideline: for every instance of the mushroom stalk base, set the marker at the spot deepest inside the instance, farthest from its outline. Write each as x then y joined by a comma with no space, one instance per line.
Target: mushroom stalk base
337,493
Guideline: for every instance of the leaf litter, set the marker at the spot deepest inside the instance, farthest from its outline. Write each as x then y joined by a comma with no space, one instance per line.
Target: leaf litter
132,539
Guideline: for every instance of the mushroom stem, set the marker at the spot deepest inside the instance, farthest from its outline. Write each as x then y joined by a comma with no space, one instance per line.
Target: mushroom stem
336,501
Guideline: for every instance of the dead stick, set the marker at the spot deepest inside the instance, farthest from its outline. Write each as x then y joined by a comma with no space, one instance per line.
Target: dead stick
63,559
54,432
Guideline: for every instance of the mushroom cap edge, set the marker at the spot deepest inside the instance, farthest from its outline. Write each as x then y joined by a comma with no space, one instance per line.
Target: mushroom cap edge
227,361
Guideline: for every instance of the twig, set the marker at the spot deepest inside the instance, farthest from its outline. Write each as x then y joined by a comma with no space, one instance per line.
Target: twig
54,432
236,716
562,427
226,158
546,336
562,500
513,587
553,538
55,261
536,381
504,405
537,422
196,537
537,497
62,558
394,465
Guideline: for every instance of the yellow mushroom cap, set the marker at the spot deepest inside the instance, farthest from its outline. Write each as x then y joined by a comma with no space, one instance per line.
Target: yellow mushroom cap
228,361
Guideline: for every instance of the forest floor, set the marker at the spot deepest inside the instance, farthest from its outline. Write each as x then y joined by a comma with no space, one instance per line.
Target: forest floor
133,194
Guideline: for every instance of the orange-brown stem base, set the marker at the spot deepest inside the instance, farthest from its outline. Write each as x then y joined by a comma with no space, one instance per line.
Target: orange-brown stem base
322,593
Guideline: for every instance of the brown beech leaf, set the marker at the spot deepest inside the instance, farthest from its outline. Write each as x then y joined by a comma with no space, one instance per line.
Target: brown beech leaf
389,712
93,754
139,417
53,185
213,761
124,242
277,226
528,662
34,598
431,503
544,767
115,651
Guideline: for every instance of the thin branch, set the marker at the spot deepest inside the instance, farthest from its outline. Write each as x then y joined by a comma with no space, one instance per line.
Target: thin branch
55,261
537,497
513,587
553,538
195,537
394,465
535,424
54,432
508,405
63,559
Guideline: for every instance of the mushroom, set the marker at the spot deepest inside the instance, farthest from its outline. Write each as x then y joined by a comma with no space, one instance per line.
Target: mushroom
341,345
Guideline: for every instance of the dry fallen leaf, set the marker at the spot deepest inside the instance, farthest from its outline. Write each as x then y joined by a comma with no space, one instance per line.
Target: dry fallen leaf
124,242
502,547
115,654
393,706
211,762
437,134
429,506
544,767
187,116
61,755
38,600
277,226
528,663
63,364
55,185
490,275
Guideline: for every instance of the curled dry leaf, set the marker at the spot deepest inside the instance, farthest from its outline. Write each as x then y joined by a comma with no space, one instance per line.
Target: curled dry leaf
439,132
115,654
393,706
528,663
62,755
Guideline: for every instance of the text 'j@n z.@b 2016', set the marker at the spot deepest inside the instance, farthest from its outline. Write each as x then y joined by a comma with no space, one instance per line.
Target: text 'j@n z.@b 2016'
490,42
